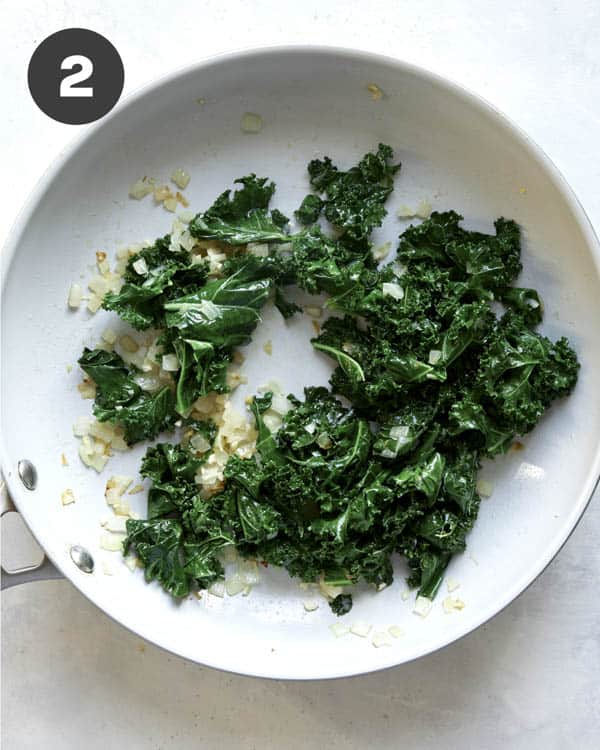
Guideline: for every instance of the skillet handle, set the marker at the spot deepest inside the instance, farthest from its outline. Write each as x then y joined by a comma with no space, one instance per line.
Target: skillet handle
45,571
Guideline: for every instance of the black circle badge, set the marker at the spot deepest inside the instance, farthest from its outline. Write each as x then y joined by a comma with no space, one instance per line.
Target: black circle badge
75,76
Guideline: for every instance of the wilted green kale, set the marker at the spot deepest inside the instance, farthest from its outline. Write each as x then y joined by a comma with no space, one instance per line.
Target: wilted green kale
120,399
341,605
242,218
169,273
354,200
428,379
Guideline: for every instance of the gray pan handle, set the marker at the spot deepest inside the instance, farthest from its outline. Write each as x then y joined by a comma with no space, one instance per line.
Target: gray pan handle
45,571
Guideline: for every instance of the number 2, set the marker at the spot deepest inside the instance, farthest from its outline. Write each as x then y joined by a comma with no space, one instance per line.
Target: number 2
68,82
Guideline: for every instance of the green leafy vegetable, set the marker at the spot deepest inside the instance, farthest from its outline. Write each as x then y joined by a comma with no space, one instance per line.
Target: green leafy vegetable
244,217
428,380
120,399
141,298
341,605
354,199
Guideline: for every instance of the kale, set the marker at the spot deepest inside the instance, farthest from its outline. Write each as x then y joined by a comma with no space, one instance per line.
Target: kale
428,380
159,547
341,605
120,399
310,209
354,200
223,312
141,298
242,218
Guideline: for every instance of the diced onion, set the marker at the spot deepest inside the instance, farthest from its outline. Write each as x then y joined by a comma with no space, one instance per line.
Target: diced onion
131,562
452,584
375,91
102,430
119,483
423,209
310,605
199,443
122,509
434,356
87,389
170,363
484,488
405,212
117,524
67,497
75,295
112,542
452,604
141,188
162,193
422,606
94,303
170,204
217,589
140,266
272,421
280,404
185,216
272,386
107,568
234,585
380,639
248,572
109,336
324,441
361,629
82,426
395,631
99,285
180,178
339,629
391,289
381,252
118,443
268,347
229,553
251,123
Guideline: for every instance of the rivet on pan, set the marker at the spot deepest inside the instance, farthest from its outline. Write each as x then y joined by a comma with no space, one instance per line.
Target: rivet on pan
27,474
82,558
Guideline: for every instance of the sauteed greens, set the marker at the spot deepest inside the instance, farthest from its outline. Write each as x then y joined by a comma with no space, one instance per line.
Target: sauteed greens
428,379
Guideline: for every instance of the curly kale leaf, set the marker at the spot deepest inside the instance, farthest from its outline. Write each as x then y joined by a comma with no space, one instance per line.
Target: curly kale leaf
169,274
172,469
120,399
433,382
243,217
481,261
310,209
354,200
159,546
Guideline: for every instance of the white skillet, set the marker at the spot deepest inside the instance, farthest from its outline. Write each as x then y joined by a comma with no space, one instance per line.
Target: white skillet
457,152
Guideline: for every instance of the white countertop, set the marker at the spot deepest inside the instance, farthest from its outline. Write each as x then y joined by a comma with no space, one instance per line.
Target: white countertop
528,679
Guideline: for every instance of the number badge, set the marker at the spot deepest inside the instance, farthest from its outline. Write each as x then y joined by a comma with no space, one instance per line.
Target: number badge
75,76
